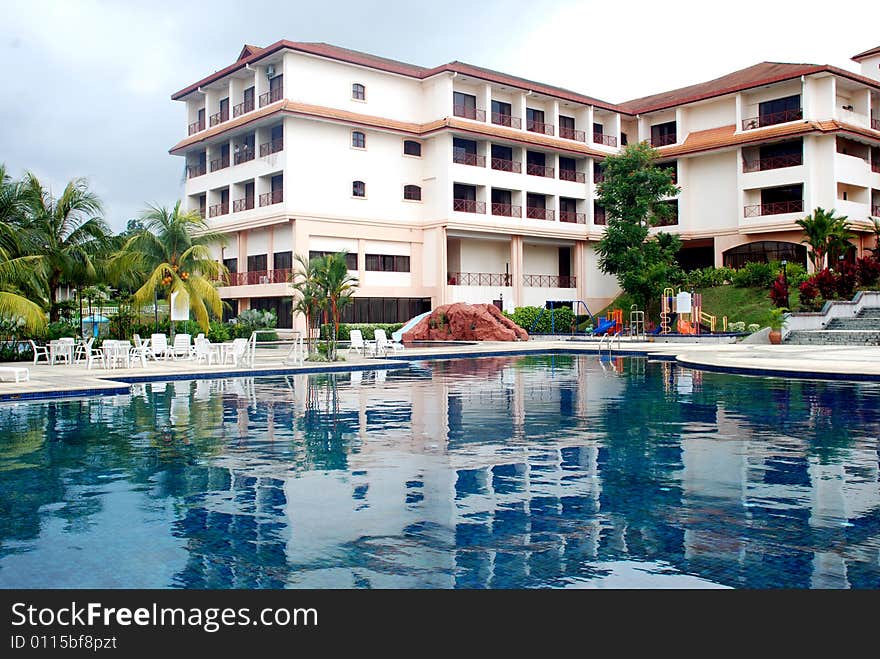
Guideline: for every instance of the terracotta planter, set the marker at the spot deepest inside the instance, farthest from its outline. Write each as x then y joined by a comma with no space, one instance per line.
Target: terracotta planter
775,337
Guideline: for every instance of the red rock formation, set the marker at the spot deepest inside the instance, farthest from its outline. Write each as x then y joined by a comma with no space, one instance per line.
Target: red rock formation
466,322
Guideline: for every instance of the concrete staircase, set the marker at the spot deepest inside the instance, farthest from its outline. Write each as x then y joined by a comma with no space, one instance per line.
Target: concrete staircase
862,329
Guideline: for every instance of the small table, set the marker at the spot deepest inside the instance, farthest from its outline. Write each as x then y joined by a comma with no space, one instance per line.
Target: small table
61,349
116,353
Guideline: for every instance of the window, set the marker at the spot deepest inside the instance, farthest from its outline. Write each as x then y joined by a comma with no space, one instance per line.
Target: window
412,193
387,263
412,148
358,189
282,260
779,110
351,258
663,134
358,139
257,263
358,92
464,105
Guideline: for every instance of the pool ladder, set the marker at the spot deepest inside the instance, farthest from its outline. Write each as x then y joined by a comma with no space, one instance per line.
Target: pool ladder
610,338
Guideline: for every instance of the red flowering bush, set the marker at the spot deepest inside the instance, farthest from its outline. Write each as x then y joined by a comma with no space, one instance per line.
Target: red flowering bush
846,281
779,291
868,270
826,282
809,295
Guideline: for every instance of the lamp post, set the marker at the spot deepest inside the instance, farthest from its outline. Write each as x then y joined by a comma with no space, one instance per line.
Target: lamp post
785,282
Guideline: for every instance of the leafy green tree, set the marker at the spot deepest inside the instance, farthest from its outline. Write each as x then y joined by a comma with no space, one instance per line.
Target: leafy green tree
825,232
172,254
309,300
633,194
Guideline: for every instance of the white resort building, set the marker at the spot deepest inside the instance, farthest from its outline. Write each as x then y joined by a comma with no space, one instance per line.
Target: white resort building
462,184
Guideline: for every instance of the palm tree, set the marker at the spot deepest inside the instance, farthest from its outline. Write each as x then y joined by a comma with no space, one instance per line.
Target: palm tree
310,300
824,230
172,254
337,287
65,233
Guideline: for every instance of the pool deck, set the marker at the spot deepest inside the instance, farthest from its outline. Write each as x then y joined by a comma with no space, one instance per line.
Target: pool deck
826,362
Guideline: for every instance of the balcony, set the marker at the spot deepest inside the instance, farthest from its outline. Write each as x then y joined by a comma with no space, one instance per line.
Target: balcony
539,170
534,213
196,127
256,277
506,120
875,211
607,140
774,208
269,148
468,206
469,113
506,210
775,162
540,127
195,170
598,175
572,175
243,108
572,134
875,123
269,198
572,218
465,158
503,165
218,209
599,217
550,281
875,166
772,118
478,279
270,96
220,163
244,155
219,118
245,204
664,140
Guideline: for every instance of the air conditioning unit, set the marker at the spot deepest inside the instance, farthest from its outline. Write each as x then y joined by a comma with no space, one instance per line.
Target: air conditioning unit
264,279
270,71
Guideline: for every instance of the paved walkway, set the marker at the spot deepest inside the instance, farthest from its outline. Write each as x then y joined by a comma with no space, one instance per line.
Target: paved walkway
843,362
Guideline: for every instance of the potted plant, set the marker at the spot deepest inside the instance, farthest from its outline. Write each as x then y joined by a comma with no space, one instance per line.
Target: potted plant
775,321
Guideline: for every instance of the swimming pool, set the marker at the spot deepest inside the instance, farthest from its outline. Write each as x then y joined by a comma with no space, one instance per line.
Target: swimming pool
499,472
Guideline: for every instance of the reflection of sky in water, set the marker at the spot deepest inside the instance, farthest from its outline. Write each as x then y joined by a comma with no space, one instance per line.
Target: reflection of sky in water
552,471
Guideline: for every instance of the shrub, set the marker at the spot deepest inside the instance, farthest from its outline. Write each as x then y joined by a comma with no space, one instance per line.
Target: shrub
826,282
809,295
739,326
758,275
251,320
754,327
525,317
708,277
779,291
868,271
796,274
61,329
368,330
14,351
846,281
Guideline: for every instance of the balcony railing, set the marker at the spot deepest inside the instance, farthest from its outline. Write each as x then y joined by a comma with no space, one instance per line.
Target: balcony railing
572,217
539,170
219,118
269,198
469,113
602,138
550,281
478,279
220,163
534,213
774,162
504,165
195,170
572,134
599,216
274,146
243,155
197,126
663,140
468,206
775,208
218,209
243,108
256,277
772,118
465,158
245,204
875,123
506,120
540,127
270,96
506,210
572,175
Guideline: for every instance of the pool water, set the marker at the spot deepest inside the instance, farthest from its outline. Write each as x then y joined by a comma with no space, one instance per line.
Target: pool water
555,471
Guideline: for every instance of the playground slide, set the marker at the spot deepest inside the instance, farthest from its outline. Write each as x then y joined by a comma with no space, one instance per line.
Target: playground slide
686,327
605,325
396,335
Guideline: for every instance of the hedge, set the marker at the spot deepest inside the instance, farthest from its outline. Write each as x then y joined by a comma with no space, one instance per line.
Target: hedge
525,318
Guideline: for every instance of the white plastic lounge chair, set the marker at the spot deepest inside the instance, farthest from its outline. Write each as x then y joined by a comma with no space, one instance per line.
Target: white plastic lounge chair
383,344
20,372
40,352
356,342
183,347
159,346
143,345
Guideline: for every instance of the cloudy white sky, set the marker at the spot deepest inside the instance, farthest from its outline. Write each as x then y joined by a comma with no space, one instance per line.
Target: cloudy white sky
88,82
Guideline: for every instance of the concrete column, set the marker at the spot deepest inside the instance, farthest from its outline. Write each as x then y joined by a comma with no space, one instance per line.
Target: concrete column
486,101
242,250
554,117
442,296
739,113
590,118
579,268
362,259
516,269
680,125
615,127
261,84
519,108
270,250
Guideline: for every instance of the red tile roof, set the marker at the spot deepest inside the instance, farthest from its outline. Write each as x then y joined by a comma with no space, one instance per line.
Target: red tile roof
867,53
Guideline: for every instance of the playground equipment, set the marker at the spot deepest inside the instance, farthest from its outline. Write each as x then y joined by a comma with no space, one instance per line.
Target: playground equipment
636,322
611,324
686,311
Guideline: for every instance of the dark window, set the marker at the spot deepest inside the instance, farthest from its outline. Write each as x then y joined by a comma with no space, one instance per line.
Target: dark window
358,189
534,116
358,140
231,264
466,192
283,260
501,196
387,263
535,200
351,258
412,192
598,213
282,306
567,164
779,110
464,146
536,158
623,141
782,194
249,99
598,129
384,310
358,92
663,134
501,113
781,150
502,152
764,251
224,196
277,182
224,109
567,205
566,122
464,105
412,148
257,263
275,85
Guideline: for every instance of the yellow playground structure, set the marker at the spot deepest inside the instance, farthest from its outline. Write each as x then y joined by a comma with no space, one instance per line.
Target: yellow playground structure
685,311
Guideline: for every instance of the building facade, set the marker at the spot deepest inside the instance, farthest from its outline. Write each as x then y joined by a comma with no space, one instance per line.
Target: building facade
462,184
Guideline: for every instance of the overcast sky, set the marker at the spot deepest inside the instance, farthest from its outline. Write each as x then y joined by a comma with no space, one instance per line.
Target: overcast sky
88,82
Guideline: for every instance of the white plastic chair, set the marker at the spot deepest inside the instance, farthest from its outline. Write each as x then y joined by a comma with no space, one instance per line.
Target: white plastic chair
40,351
383,344
143,346
356,342
205,350
81,353
159,346
182,346
239,348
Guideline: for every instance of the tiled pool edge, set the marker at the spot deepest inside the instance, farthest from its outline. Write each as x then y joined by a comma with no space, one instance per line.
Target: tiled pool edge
779,372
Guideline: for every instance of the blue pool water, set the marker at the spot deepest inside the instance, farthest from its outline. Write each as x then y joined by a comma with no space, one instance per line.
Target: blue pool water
514,472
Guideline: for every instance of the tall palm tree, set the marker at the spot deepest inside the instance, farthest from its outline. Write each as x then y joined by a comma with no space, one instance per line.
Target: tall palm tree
171,254
310,301
824,230
337,286
65,233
